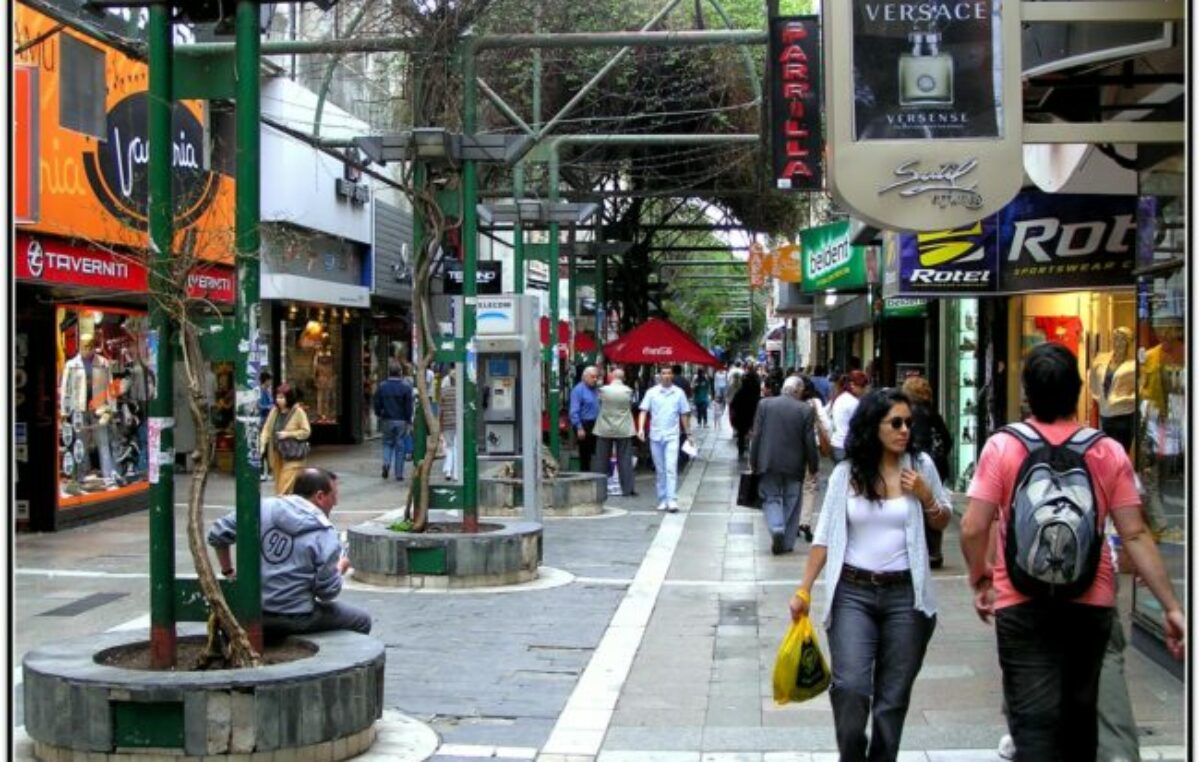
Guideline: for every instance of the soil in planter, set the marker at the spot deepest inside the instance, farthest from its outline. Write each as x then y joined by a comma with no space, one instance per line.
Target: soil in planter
448,527
189,650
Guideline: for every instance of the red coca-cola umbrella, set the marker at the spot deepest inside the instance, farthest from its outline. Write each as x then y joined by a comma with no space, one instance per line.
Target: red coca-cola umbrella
658,341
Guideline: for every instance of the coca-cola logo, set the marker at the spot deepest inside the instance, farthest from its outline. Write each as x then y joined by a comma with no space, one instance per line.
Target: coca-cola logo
656,351
118,170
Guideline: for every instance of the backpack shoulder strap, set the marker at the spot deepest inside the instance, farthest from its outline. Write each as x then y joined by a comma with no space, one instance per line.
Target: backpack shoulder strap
1081,441
1028,435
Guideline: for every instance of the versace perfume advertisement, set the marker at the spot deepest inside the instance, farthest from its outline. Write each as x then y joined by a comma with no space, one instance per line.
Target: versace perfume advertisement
927,70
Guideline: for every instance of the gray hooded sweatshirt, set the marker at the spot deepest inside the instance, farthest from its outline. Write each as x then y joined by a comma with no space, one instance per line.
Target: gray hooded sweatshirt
300,553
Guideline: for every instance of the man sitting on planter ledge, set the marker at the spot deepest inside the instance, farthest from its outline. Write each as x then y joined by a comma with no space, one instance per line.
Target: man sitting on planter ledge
302,560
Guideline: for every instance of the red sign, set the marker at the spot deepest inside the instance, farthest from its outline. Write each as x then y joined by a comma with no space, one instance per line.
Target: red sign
796,137
49,260
25,155
212,282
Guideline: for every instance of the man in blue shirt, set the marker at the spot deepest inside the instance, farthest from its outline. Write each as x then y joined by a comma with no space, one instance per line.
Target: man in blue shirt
669,412
585,409
393,405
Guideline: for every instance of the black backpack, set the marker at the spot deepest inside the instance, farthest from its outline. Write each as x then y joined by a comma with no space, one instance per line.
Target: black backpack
1054,538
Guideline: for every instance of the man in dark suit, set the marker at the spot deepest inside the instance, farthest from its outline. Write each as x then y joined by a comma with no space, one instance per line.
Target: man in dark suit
783,448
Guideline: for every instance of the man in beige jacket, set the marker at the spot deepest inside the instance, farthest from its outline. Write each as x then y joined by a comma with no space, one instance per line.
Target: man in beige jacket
614,427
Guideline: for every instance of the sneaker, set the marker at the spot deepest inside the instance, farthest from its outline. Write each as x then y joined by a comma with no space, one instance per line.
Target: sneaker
662,506
672,507
806,530
1007,749
776,543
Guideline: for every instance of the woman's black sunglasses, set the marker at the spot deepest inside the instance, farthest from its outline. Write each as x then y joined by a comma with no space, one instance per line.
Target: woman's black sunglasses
896,422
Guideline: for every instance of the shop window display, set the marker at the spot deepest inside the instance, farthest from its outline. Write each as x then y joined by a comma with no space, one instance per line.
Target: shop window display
105,376
963,388
312,355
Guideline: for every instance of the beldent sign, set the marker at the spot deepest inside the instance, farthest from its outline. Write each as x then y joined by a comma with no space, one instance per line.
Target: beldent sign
1039,242
50,261
923,110
796,136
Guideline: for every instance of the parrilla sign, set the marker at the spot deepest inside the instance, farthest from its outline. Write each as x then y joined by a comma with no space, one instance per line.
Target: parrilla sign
1039,242
796,135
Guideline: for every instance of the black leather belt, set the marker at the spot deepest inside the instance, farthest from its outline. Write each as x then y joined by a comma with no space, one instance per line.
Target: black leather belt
875,578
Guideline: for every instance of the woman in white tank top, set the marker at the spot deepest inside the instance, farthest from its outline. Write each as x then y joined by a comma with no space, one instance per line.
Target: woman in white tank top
879,605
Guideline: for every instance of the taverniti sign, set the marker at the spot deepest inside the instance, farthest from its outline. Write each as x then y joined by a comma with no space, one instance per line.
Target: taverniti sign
54,262
796,137
1039,242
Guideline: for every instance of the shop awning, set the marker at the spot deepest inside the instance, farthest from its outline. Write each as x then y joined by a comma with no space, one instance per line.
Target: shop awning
658,341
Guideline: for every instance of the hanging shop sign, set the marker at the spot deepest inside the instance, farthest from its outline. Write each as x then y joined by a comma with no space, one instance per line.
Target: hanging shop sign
924,110
904,307
487,278
54,262
93,164
756,264
796,137
830,261
1039,242
786,264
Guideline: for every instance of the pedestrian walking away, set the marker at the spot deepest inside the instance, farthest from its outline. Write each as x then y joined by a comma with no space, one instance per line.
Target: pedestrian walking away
614,429
931,436
448,420
668,412
266,401
393,405
743,407
585,408
880,609
284,438
812,482
701,389
302,560
783,451
1052,588
841,410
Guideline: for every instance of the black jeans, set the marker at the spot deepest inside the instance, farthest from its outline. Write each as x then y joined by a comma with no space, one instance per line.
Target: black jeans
325,616
587,446
877,644
1051,655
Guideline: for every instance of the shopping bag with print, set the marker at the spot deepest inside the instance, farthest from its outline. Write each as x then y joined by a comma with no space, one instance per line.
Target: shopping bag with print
800,669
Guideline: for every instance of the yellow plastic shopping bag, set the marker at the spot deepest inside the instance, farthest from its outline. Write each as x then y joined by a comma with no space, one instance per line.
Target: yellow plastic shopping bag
800,669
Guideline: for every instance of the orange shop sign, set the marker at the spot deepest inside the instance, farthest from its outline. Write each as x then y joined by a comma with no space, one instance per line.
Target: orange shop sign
94,186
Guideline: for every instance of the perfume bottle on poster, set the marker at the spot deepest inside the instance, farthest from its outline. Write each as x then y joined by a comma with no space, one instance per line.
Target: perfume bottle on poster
926,74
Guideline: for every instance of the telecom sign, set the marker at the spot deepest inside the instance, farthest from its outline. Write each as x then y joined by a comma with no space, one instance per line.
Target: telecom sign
1039,242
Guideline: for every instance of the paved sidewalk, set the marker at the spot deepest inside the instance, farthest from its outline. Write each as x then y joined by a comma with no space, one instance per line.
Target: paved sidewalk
651,636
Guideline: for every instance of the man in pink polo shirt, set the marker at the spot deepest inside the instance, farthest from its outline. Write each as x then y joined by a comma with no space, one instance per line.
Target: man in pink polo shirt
1050,650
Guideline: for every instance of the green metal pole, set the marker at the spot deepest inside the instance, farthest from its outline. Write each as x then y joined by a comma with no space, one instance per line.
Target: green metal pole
470,234
162,406
247,317
555,390
519,232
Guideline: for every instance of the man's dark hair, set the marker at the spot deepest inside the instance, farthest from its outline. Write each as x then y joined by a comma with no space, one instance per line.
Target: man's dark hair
312,480
264,377
1052,382
819,370
677,369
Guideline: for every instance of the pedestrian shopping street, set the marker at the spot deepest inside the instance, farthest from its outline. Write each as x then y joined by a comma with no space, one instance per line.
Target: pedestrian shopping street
647,637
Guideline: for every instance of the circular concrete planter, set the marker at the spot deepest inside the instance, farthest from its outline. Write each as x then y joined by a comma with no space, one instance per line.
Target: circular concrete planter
322,707
568,494
505,553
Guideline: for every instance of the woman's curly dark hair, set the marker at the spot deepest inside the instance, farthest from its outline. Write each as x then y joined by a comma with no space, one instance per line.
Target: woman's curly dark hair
864,450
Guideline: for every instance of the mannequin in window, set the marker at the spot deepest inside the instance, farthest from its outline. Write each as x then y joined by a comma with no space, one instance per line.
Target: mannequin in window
1164,414
323,379
84,403
1112,383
